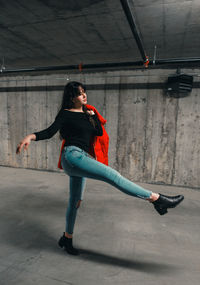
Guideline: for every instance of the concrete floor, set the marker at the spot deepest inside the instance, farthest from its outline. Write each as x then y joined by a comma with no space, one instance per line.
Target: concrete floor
122,239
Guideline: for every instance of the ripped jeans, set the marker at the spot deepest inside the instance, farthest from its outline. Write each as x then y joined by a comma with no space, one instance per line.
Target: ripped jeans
79,165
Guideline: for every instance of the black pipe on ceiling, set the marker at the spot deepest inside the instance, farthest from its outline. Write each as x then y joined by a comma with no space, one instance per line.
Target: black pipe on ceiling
174,61
74,67
178,60
130,18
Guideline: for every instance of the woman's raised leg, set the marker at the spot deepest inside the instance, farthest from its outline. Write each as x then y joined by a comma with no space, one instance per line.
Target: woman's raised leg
81,164
78,163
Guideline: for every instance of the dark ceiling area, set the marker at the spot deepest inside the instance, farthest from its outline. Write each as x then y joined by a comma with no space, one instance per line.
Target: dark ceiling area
38,33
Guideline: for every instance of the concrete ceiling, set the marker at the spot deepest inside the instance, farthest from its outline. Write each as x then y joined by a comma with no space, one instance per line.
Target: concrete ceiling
49,32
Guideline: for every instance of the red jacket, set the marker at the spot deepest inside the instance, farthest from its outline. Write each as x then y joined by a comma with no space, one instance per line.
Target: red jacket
98,145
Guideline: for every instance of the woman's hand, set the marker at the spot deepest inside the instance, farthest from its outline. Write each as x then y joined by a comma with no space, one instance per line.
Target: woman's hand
25,142
90,112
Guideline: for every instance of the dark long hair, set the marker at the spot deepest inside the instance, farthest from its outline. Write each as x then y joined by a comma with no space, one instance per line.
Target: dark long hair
72,90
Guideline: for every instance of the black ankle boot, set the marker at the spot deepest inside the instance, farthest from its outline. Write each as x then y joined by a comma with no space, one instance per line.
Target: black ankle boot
164,202
67,244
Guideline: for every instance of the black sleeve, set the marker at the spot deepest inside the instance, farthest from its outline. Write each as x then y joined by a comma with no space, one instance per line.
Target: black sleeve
98,127
51,130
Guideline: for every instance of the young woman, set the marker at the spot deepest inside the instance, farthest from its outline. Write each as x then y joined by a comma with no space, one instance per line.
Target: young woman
84,155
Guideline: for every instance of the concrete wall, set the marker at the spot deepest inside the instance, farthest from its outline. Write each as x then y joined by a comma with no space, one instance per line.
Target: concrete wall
153,138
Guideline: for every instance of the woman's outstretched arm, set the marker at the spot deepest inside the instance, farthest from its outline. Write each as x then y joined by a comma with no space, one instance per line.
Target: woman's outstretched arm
42,135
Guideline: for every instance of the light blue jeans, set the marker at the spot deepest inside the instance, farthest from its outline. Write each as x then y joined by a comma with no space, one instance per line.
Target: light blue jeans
79,165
